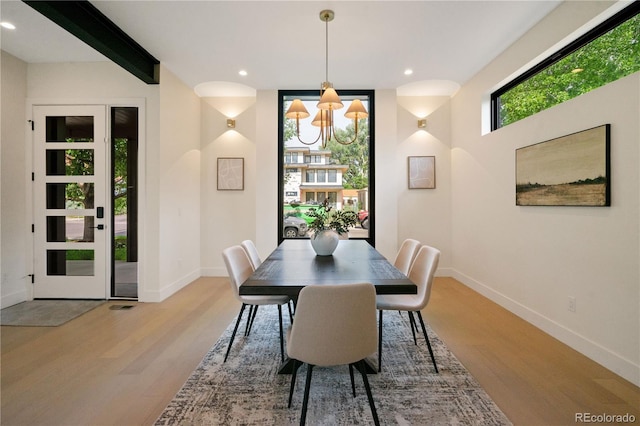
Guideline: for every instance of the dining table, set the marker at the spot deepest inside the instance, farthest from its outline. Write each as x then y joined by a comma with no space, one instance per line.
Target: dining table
294,265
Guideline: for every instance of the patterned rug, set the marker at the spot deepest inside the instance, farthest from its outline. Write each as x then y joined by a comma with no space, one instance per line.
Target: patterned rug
246,390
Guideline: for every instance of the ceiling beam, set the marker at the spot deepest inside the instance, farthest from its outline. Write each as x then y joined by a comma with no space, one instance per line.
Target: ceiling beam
85,21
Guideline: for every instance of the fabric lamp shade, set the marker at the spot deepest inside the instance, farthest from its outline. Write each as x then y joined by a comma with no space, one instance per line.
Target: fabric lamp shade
356,110
330,100
322,119
297,110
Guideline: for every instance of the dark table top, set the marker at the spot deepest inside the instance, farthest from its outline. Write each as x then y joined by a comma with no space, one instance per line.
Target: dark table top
294,264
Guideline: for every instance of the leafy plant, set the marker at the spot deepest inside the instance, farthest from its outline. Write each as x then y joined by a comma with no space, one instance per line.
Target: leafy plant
324,217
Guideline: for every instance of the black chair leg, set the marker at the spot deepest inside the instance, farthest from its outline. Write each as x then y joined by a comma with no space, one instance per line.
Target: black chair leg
253,317
426,338
246,327
235,329
353,384
305,401
414,326
290,311
380,341
281,334
294,374
363,372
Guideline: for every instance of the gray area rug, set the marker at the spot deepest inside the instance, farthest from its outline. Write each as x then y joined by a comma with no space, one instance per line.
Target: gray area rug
45,313
246,390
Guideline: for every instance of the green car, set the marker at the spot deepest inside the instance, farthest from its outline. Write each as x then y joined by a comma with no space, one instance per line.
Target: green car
299,210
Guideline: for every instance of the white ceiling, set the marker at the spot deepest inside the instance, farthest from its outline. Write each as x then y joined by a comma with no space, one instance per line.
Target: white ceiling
281,44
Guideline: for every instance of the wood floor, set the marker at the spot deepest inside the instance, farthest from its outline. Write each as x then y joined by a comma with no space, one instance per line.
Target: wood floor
122,367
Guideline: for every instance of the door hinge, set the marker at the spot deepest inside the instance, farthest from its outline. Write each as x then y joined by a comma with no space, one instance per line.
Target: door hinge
32,124
33,278
33,177
33,227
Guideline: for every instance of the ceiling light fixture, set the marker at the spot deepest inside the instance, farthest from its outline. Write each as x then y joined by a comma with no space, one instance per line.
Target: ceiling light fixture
8,25
329,101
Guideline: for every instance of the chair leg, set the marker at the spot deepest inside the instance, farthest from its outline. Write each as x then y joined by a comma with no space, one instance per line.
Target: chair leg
294,374
380,341
253,317
281,335
305,401
363,372
426,338
414,326
290,311
246,327
353,384
235,329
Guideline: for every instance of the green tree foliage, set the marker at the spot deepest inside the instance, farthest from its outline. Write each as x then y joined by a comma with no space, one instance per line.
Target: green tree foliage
355,155
79,162
610,57
120,176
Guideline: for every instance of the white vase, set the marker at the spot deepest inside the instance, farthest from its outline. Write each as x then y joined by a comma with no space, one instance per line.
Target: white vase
325,242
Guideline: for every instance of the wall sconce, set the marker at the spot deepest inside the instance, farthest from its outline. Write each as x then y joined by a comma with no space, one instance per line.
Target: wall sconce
422,123
231,123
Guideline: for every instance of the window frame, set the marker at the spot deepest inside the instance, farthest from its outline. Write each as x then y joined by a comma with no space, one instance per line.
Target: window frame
596,32
370,95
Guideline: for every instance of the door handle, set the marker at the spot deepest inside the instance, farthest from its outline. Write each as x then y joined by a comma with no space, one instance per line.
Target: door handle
101,226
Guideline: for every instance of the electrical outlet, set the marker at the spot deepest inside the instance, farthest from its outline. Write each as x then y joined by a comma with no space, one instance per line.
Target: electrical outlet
572,304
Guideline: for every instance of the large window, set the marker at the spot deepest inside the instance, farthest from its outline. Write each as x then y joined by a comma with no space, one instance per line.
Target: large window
338,174
605,54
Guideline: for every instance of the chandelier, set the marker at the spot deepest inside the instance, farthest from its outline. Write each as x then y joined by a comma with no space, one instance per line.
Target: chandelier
329,102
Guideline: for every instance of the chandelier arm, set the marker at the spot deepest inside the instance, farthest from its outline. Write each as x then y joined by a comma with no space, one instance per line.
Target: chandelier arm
355,136
298,134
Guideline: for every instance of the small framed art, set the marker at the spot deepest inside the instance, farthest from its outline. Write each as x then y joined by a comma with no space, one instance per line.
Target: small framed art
230,174
422,172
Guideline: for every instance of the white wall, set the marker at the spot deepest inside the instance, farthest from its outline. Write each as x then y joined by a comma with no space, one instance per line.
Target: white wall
425,214
178,188
15,286
228,217
532,259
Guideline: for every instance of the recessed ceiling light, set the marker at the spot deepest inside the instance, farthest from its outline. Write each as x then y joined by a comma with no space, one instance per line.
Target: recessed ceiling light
8,25
242,73
408,71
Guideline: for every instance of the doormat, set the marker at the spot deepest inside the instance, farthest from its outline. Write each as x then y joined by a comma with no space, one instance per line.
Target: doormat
45,313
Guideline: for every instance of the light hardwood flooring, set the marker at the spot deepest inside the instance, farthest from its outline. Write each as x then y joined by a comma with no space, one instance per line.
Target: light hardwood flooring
122,367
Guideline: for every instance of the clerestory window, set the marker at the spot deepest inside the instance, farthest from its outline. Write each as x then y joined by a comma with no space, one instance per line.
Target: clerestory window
607,53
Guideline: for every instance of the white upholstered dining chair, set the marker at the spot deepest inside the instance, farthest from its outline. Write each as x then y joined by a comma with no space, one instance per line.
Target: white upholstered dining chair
334,325
406,255
421,273
252,251
240,268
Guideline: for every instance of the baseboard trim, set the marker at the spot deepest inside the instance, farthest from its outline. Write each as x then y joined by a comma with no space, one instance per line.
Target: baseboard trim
621,366
169,290
217,271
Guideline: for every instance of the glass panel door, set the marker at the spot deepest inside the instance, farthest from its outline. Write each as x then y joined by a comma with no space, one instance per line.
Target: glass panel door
69,202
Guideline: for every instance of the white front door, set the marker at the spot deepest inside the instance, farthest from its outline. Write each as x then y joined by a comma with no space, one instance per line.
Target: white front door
70,195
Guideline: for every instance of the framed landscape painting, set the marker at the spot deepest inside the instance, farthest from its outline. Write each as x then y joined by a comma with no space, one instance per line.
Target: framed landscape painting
571,170
230,174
